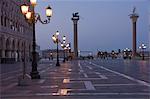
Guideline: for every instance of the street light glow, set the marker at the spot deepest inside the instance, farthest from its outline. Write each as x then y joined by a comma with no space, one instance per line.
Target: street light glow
62,45
65,48
33,2
57,33
67,45
24,9
49,11
54,38
28,15
64,42
64,37
144,47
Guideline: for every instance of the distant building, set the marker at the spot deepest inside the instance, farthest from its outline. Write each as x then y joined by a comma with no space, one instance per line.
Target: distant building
15,32
47,53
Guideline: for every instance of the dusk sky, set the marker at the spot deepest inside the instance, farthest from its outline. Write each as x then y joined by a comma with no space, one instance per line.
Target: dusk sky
103,24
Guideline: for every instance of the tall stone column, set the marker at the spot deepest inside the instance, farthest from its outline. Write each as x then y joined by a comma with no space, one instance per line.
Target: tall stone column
75,19
134,16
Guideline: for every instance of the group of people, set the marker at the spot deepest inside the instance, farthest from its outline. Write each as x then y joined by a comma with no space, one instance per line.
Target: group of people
105,54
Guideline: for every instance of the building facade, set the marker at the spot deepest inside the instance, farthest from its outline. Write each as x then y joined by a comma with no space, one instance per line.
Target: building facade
15,32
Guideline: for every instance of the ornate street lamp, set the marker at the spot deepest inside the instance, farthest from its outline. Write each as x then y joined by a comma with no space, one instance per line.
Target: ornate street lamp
127,53
68,50
32,18
56,40
63,46
142,47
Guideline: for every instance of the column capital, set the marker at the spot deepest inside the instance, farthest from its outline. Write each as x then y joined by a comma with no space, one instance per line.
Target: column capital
134,17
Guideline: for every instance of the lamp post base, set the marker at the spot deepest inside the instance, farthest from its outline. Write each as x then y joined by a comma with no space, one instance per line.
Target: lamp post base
64,60
35,75
143,58
57,64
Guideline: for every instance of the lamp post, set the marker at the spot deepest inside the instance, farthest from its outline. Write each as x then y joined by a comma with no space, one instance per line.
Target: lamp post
127,53
56,40
32,18
142,47
69,51
63,46
67,48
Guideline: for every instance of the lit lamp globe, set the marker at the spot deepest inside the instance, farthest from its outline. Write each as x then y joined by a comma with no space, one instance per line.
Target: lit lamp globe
24,9
54,38
33,2
64,42
67,45
28,15
57,33
64,37
62,45
144,47
65,48
49,11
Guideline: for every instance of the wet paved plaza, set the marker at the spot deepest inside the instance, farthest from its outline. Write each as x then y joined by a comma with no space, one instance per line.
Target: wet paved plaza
78,79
